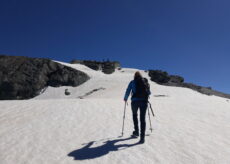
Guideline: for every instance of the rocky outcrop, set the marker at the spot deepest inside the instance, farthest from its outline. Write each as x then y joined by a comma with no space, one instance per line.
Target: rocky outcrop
158,76
107,67
24,78
163,78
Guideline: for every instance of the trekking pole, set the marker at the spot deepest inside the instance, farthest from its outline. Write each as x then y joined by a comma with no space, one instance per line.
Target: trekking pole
123,120
151,109
151,129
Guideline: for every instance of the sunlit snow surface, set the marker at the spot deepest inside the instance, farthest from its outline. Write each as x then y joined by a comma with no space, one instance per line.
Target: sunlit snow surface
52,128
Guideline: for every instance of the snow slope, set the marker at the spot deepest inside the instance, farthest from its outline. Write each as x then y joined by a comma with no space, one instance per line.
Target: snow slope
85,127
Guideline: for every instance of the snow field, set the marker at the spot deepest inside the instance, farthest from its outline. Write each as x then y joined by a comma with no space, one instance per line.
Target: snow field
53,128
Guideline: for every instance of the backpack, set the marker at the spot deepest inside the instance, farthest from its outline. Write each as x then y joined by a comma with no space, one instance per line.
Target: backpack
142,88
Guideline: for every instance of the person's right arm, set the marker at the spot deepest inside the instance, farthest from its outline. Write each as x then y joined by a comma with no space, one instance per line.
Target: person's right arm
128,90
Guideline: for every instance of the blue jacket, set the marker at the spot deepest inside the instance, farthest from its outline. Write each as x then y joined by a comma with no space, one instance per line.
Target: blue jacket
132,87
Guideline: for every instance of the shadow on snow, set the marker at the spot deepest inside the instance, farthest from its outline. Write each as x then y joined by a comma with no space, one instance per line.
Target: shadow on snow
88,152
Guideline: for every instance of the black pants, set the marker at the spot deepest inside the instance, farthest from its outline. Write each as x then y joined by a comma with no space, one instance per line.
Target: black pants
142,105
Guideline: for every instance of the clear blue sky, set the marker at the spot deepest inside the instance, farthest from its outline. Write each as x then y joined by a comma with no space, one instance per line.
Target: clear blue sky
190,38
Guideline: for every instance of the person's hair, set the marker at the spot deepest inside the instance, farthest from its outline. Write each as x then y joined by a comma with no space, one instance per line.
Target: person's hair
137,75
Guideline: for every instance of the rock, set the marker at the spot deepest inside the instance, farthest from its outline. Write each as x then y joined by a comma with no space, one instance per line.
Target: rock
106,66
24,78
163,78
176,79
67,93
93,65
159,76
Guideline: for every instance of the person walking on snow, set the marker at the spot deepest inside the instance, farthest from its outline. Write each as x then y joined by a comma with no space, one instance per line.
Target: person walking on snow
139,100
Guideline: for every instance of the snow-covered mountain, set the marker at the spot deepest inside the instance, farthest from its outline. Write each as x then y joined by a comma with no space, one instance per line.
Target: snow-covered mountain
85,126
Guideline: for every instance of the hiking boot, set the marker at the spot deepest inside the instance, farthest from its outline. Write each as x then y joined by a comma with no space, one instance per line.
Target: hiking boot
135,134
142,140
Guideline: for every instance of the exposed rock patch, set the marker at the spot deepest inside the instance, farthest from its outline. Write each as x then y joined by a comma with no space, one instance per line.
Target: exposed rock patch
24,78
107,67
91,92
163,78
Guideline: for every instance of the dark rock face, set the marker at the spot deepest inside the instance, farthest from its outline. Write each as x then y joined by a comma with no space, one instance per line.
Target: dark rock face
164,78
24,78
159,76
176,79
107,67
92,64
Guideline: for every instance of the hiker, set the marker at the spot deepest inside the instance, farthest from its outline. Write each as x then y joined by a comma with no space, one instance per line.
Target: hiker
139,100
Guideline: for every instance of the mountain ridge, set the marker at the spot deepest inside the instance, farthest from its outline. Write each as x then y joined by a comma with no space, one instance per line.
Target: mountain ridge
57,74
